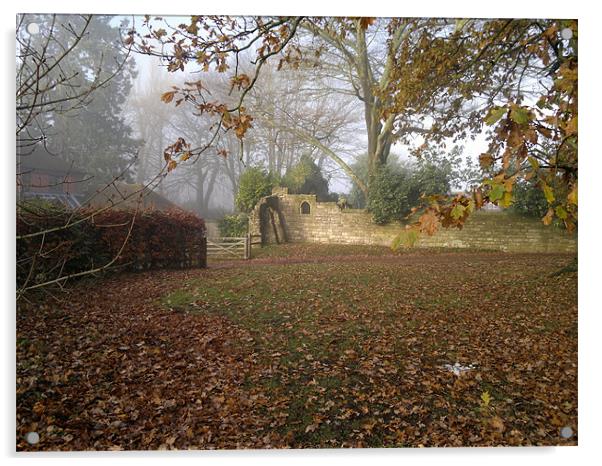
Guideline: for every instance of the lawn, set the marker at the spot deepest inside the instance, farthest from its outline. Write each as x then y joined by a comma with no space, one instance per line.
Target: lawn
307,346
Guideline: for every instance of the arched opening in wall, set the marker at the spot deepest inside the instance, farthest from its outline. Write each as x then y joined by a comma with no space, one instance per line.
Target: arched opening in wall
305,208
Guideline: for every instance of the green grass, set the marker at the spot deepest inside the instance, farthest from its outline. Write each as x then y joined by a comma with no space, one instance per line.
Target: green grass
179,300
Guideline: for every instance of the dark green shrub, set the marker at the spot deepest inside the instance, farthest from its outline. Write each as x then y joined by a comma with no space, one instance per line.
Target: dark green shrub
307,178
529,200
426,179
234,225
253,184
395,190
435,172
388,195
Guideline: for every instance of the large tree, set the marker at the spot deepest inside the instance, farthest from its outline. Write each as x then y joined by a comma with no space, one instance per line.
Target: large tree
437,78
519,78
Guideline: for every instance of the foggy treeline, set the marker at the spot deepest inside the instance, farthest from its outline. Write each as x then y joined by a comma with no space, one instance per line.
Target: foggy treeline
288,114
120,129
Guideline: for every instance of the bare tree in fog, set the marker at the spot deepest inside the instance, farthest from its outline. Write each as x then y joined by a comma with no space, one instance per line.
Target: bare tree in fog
288,123
295,122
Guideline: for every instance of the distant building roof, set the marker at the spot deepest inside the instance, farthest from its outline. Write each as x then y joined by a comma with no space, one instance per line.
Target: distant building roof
65,199
130,196
122,195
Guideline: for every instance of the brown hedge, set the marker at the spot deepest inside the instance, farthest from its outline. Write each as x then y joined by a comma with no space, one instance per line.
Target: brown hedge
157,239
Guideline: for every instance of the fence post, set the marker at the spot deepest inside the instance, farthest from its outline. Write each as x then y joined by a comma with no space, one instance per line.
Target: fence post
203,258
248,246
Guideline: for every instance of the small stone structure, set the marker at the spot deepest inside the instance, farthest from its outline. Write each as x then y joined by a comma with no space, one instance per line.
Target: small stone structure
284,217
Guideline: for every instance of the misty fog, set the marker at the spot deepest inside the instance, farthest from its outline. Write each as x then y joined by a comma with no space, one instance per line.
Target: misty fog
120,131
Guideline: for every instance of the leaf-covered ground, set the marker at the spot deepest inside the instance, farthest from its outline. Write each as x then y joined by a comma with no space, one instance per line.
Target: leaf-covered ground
346,349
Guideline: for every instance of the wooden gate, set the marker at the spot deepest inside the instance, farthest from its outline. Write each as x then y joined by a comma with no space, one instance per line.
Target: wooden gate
228,247
232,247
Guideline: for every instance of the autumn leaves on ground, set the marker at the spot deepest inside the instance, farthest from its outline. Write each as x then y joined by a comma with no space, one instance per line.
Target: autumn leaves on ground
340,347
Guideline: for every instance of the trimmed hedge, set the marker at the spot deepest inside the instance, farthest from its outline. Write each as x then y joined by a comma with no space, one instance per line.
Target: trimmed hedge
158,239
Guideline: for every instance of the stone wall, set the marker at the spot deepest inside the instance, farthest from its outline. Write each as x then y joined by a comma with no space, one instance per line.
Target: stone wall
279,218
